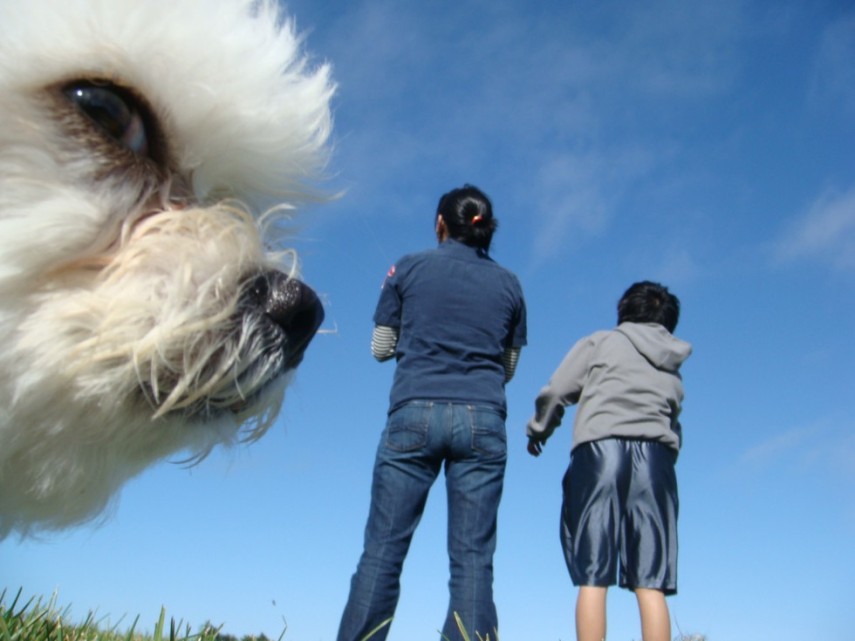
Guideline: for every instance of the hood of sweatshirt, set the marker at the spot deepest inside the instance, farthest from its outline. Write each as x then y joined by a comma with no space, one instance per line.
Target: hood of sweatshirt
657,344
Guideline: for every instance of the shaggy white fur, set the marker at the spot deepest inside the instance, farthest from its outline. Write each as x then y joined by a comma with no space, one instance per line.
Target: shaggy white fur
143,310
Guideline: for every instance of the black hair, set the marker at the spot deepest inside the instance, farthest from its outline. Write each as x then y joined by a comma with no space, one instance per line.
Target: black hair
649,302
468,216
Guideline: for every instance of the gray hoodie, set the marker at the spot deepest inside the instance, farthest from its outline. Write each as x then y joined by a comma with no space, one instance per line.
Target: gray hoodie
626,382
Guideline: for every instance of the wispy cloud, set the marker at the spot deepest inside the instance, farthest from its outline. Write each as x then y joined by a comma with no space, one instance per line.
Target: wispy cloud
833,79
827,445
825,233
671,50
677,265
572,201
577,193
566,111
777,446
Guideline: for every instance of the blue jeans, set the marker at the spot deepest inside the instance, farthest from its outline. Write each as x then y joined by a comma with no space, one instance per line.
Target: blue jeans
420,437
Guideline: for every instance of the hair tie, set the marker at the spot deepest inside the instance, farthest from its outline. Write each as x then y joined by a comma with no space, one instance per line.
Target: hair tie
477,218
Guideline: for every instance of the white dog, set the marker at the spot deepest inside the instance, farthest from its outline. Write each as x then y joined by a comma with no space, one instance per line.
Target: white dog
142,309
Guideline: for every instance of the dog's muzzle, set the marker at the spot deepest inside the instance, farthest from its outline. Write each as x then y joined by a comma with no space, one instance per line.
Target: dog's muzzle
290,309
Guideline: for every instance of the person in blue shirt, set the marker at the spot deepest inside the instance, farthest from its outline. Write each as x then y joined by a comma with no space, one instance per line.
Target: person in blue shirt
455,321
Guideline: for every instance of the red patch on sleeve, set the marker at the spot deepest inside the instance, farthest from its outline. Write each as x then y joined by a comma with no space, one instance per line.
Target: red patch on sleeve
389,275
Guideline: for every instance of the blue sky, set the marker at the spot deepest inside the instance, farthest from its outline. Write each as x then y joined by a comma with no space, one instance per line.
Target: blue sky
708,145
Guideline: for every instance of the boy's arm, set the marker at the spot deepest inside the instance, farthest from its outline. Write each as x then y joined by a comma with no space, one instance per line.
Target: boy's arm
564,388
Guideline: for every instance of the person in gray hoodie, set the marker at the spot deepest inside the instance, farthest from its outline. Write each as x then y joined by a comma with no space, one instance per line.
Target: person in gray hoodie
619,513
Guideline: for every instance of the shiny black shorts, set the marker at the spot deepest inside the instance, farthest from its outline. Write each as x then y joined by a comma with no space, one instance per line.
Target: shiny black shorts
620,515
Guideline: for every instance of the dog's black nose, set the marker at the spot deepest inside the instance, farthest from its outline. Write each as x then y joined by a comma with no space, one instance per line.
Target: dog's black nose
291,305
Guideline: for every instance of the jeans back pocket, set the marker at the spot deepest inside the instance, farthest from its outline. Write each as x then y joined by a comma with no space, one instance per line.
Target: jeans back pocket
407,427
488,431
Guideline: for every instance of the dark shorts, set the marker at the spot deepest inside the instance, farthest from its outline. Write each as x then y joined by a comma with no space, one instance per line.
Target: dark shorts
620,515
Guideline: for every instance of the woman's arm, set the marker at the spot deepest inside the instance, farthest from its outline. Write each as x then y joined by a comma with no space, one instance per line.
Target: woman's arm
510,358
384,340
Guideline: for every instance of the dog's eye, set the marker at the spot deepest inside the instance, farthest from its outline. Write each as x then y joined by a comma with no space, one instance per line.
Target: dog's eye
115,110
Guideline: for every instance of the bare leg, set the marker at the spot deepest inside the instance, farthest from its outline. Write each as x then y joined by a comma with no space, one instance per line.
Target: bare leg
591,614
655,618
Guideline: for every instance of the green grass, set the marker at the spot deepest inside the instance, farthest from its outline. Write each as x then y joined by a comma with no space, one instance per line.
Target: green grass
44,620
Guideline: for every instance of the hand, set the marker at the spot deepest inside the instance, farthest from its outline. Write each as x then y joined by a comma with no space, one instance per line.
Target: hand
535,447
